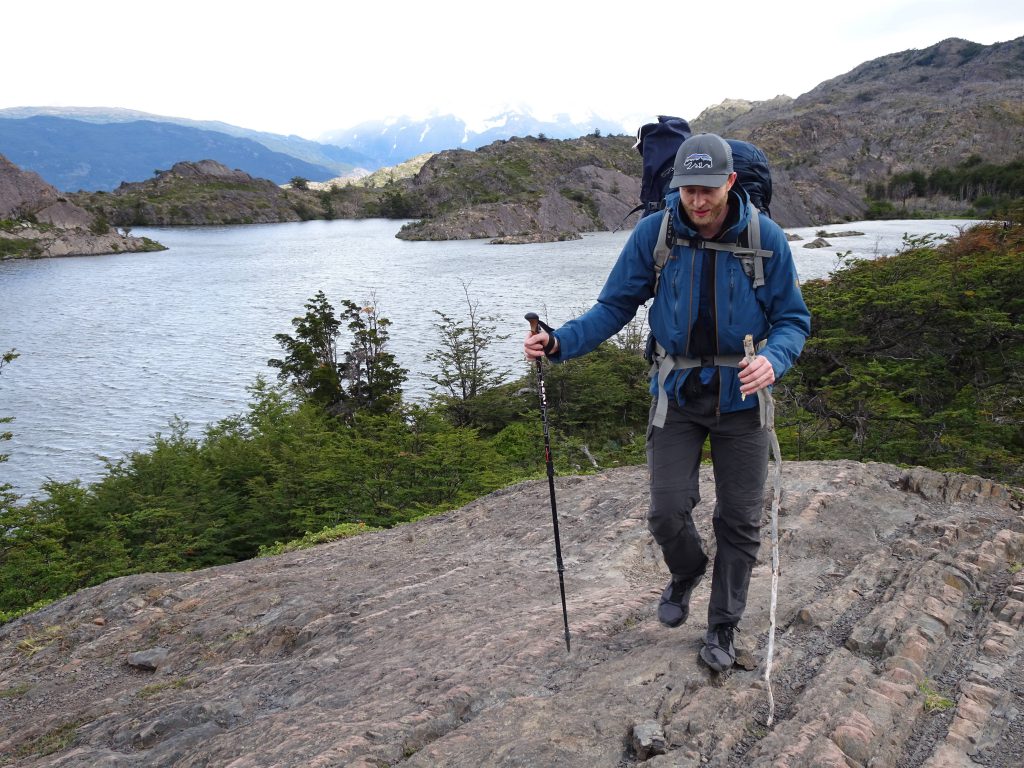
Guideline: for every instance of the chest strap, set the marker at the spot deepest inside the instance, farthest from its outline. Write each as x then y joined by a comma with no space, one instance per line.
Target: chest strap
751,256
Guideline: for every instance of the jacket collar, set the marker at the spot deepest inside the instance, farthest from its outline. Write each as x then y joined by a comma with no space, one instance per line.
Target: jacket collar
735,220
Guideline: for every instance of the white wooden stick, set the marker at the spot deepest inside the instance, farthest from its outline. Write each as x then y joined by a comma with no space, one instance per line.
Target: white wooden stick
768,406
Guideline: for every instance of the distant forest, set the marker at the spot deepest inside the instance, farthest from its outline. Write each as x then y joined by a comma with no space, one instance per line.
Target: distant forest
987,187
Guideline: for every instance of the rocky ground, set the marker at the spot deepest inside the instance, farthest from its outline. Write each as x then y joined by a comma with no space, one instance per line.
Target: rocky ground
440,643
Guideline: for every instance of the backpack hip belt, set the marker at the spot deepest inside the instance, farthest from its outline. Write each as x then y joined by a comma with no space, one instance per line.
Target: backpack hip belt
663,364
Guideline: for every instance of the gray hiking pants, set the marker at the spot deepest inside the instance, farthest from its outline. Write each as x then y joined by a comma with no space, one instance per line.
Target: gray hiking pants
739,454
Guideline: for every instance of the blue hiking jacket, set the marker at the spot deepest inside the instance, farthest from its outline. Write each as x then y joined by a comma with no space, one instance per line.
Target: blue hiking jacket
775,311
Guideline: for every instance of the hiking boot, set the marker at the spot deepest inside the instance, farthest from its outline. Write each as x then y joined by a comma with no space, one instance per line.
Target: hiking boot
718,652
674,605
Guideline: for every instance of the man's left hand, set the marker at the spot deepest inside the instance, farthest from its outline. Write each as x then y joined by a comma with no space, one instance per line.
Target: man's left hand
755,374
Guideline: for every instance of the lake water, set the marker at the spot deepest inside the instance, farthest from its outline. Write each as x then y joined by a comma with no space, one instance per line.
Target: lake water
112,347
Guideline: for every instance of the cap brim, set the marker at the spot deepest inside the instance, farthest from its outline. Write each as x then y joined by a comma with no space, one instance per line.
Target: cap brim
698,181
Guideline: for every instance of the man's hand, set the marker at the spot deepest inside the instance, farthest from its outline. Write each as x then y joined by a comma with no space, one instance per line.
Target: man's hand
755,374
535,344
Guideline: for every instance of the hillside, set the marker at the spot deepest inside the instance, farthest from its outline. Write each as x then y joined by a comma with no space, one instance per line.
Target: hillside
439,643
540,189
36,221
914,110
207,192
76,155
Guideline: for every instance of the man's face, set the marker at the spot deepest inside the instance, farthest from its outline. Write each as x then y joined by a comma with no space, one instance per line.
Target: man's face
707,206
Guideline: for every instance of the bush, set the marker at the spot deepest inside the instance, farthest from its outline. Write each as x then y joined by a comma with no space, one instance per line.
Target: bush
917,359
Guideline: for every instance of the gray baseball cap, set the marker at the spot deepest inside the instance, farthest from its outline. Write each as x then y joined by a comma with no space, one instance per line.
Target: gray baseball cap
704,160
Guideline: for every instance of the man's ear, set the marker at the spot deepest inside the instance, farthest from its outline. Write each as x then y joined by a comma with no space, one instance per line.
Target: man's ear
730,181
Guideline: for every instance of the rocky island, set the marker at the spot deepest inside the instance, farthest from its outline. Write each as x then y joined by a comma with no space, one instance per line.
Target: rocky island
37,221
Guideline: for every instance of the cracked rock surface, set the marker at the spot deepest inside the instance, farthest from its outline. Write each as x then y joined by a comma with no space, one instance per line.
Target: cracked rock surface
439,643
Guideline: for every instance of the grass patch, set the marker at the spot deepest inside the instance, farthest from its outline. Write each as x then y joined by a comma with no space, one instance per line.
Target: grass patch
60,738
15,691
343,531
17,247
934,701
33,644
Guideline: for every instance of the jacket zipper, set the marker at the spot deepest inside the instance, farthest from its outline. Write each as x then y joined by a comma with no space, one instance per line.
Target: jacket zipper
732,284
714,299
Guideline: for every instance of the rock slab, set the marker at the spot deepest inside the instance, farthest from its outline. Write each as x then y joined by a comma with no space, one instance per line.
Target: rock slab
439,643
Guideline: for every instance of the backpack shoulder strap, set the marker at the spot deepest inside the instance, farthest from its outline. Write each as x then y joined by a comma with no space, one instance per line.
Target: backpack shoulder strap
751,256
663,248
755,267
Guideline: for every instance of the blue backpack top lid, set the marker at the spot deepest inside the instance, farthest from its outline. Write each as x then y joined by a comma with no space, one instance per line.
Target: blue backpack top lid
658,143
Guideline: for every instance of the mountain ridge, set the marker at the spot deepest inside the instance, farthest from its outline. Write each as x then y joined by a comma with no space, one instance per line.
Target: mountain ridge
917,110
372,145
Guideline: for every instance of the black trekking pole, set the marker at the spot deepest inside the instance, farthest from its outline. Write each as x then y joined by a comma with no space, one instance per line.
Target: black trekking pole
535,322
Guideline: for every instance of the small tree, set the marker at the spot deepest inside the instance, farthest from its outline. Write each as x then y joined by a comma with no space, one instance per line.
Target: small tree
8,357
366,377
464,373
373,375
311,367
298,182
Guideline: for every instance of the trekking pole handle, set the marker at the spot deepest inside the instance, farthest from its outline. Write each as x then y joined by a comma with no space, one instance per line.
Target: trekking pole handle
537,325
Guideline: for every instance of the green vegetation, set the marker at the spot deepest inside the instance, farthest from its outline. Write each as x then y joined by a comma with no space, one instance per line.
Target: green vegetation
934,701
56,740
366,378
464,374
584,199
15,691
19,248
914,359
976,188
334,533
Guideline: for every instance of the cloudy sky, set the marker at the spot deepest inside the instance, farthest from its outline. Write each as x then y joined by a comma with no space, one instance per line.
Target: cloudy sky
309,66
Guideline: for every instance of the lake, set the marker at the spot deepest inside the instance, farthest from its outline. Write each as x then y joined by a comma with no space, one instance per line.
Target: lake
113,347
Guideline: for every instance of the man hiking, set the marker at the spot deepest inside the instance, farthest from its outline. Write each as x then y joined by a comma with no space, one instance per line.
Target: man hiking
704,304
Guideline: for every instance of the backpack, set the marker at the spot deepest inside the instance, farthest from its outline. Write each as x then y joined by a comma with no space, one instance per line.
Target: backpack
658,143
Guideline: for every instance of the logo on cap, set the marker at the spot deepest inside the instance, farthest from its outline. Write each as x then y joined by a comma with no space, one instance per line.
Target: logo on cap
697,161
